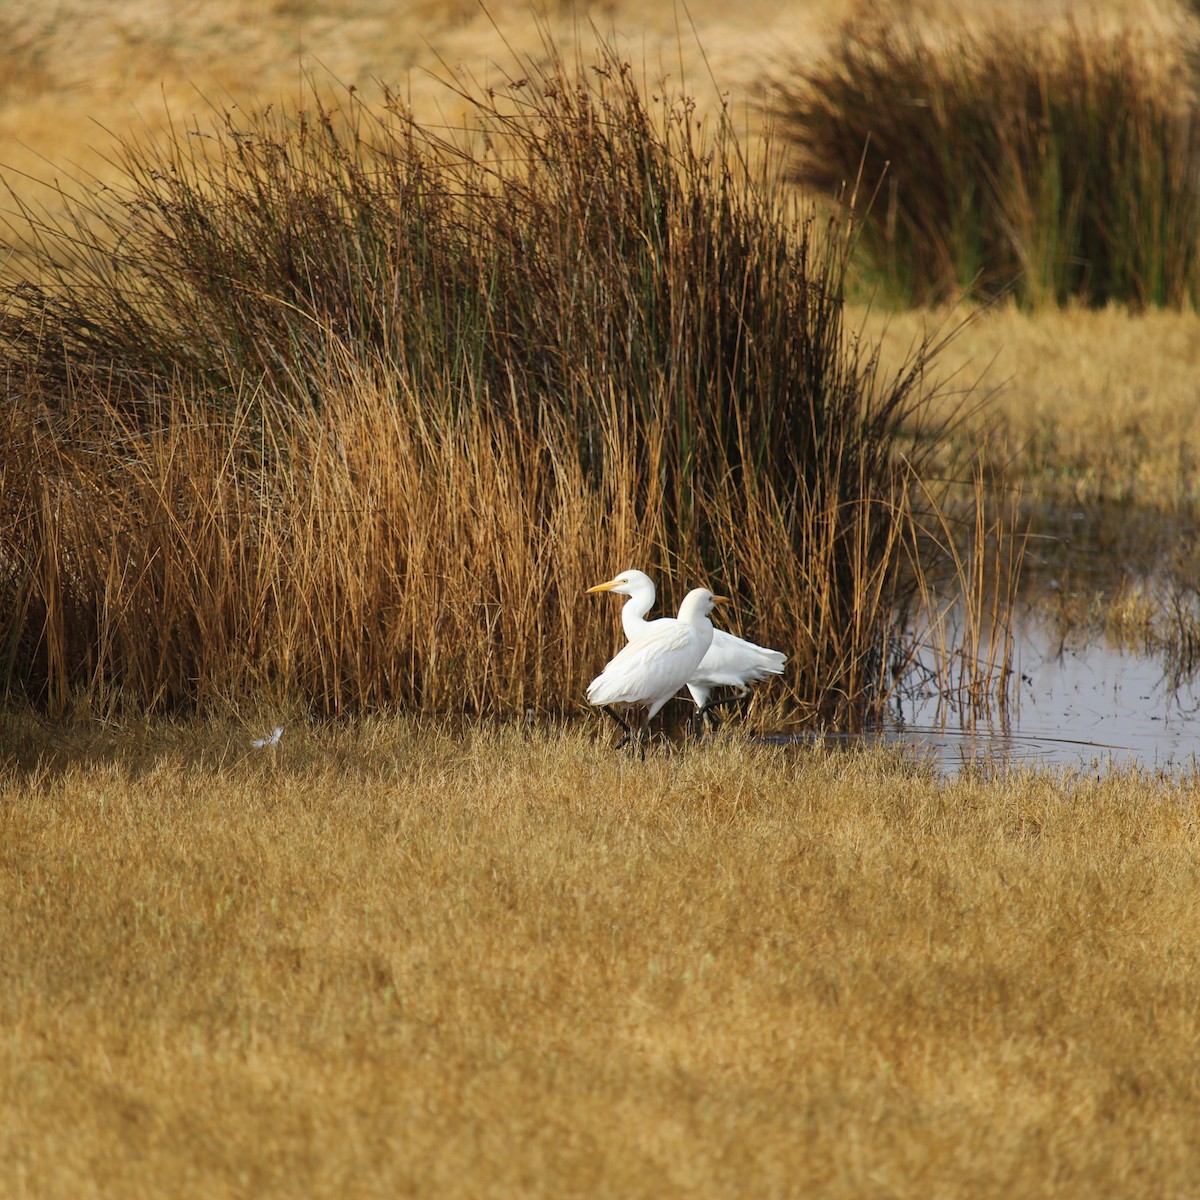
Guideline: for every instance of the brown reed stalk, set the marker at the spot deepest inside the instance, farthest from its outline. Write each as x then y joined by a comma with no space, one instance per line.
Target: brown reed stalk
966,636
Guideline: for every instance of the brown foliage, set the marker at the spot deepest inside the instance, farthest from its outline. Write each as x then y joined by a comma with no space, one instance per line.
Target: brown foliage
329,407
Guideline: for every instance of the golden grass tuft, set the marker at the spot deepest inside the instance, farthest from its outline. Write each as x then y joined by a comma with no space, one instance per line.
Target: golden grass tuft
387,959
380,568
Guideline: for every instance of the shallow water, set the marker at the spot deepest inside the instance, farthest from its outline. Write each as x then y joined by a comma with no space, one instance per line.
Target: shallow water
1080,702
1088,708
1085,705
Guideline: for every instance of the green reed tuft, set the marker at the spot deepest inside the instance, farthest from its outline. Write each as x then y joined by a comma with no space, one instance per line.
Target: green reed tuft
1054,163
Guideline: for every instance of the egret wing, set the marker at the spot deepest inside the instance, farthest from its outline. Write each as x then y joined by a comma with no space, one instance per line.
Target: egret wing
644,670
734,662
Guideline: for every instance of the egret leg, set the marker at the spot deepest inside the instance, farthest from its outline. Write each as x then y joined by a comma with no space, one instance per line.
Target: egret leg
643,733
736,698
700,722
608,712
706,720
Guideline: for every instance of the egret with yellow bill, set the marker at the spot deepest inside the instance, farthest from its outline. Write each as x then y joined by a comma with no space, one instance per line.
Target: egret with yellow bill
729,661
647,672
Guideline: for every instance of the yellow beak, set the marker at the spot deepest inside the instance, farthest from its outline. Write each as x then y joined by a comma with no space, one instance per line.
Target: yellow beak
603,587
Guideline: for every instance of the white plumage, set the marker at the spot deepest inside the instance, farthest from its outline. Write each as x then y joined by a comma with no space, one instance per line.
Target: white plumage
649,671
729,661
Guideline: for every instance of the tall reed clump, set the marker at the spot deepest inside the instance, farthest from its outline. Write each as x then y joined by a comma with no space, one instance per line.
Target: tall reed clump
1054,162
339,408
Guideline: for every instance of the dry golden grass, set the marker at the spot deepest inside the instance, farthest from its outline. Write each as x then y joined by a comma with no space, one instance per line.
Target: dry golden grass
389,565
527,376
1087,405
74,73
76,76
382,961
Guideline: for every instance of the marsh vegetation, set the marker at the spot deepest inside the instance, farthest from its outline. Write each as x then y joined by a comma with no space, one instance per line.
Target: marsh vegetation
1049,158
339,409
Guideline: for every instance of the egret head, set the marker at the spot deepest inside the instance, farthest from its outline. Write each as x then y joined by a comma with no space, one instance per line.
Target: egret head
627,583
699,602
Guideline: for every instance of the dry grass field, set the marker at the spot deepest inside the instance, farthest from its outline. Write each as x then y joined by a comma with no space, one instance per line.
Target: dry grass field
72,73
1086,406
383,961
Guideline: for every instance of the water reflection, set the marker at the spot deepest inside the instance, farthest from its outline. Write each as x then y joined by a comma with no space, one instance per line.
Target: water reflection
1085,698
1091,708
1094,690
1089,695
1079,703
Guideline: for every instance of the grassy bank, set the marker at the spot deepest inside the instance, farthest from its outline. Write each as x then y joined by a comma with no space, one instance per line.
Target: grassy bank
382,960
1083,407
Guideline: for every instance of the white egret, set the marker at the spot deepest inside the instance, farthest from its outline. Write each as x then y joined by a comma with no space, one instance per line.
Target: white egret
649,671
273,740
730,661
